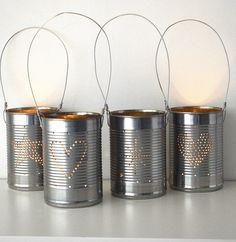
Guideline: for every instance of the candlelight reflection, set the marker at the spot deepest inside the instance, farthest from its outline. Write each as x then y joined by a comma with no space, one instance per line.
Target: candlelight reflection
197,91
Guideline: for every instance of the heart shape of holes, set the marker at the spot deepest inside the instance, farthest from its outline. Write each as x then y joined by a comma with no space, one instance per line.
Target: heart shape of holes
82,144
194,151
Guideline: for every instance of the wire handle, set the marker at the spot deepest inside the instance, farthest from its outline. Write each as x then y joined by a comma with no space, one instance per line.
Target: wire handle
29,51
225,51
106,108
2,54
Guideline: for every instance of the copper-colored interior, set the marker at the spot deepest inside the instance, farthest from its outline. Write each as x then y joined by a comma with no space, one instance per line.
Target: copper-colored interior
196,109
136,113
68,115
31,110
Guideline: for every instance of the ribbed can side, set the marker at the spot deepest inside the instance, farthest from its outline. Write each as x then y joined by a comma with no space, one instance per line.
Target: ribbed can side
138,163
73,166
25,159
196,157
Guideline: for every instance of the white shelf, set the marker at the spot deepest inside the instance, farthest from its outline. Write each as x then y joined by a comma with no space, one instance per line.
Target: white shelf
177,215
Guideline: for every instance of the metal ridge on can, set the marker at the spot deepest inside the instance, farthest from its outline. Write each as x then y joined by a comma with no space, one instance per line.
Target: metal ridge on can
24,144
72,154
138,153
196,148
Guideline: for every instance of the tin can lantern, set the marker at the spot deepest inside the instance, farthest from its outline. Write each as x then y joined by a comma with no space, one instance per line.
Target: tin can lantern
196,141
138,153
196,148
137,147
24,145
72,154
24,139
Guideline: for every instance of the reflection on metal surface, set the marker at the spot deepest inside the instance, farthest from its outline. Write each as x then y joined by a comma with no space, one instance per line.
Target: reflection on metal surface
72,156
196,148
138,158
24,144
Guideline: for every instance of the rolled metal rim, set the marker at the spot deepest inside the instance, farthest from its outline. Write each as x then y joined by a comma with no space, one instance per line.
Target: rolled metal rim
196,109
137,113
72,115
31,110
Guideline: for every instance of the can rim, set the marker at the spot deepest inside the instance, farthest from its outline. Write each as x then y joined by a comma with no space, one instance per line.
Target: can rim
137,113
31,110
196,109
72,115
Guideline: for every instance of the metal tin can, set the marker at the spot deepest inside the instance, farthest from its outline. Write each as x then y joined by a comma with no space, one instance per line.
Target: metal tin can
24,145
196,148
72,157
138,153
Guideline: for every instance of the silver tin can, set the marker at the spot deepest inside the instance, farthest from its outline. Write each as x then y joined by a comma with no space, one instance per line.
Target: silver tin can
138,153
72,157
196,148
24,148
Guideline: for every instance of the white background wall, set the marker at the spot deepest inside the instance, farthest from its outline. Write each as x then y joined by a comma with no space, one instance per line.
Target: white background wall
198,64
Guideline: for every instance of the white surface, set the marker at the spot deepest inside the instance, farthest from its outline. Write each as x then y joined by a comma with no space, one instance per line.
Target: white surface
198,62
176,215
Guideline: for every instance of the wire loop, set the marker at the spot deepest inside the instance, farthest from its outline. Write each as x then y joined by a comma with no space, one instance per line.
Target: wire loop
28,59
3,51
157,74
225,51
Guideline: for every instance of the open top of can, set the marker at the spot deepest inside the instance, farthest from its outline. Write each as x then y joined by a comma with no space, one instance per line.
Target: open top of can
195,109
137,113
31,110
72,121
196,115
137,119
72,115
26,116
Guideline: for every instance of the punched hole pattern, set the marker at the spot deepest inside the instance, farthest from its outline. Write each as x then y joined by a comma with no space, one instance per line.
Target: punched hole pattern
195,151
28,149
68,152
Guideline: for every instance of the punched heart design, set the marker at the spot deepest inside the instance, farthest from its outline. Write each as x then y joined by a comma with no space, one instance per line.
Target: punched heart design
194,151
82,148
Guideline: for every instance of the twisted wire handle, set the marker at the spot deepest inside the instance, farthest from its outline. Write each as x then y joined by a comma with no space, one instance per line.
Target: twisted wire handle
106,108
224,48
2,54
29,51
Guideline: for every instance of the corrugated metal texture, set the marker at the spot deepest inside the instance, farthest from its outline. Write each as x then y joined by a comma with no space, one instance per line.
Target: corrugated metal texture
196,156
25,159
138,161
73,163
